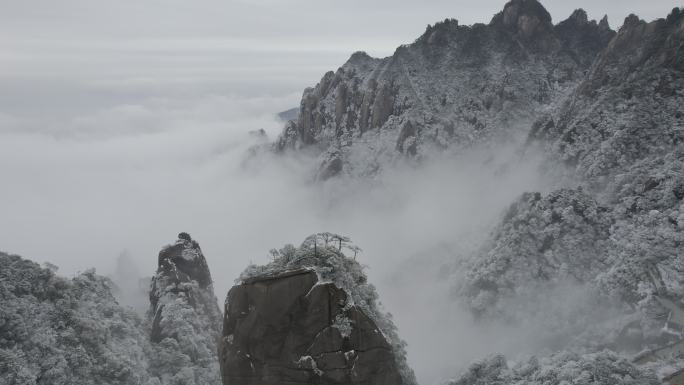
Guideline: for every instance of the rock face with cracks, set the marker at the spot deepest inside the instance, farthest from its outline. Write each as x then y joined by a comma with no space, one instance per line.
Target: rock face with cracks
289,328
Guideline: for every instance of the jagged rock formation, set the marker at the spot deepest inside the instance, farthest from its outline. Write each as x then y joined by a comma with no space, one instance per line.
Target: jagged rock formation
180,266
309,317
454,86
185,317
629,105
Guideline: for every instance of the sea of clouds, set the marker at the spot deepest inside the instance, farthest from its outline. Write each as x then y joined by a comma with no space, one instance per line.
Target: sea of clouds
111,144
109,186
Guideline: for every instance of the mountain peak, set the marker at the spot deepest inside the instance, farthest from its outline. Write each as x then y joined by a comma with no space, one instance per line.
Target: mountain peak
359,56
359,59
676,15
184,262
420,96
526,17
184,317
632,20
579,16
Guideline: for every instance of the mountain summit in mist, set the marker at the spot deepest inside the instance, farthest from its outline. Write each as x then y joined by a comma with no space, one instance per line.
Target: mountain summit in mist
586,277
455,86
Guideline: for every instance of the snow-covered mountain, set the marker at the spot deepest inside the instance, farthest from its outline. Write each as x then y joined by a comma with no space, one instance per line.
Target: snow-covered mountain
453,87
597,260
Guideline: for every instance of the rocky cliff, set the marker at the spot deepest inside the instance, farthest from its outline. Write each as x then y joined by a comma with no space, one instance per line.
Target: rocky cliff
454,86
184,315
309,317
289,328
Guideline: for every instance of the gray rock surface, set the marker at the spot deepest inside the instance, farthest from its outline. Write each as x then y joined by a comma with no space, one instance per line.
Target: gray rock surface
288,328
310,317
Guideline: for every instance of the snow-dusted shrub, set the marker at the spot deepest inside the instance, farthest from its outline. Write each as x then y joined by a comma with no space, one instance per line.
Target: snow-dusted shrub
559,238
55,331
605,368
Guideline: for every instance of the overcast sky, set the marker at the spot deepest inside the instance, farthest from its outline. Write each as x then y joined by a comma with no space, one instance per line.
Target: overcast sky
59,59
238,46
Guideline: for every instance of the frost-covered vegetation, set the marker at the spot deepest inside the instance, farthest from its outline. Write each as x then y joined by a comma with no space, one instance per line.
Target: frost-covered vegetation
560,237
58,331
605,368
568,260
593,269
333,258
186,348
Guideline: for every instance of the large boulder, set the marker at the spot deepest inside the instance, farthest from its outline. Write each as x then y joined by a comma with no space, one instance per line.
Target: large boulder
293,326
